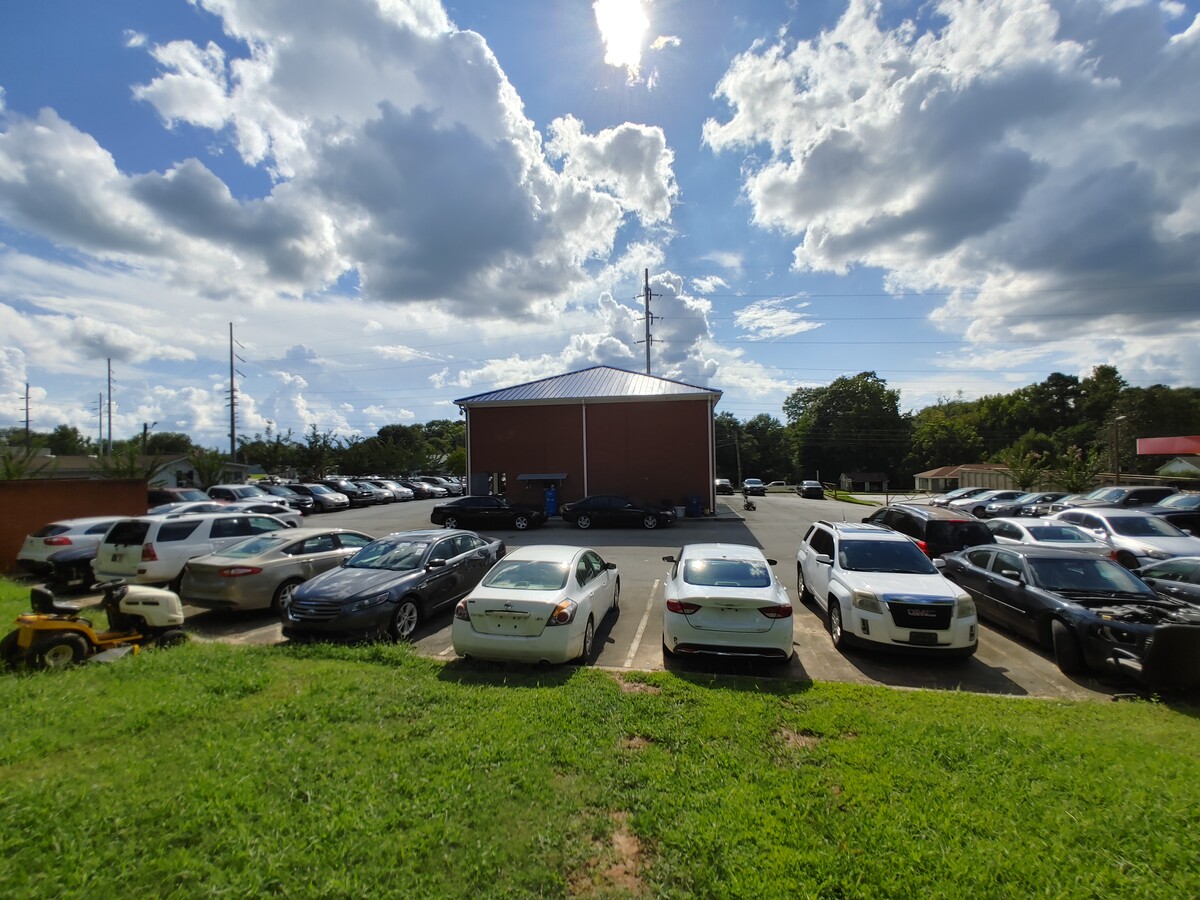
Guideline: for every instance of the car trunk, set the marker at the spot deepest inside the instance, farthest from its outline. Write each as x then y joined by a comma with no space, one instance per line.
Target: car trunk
121,550
728,611
509,614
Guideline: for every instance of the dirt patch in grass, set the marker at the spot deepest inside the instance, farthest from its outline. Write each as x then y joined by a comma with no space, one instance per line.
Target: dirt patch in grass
636,742
637,687
804,740
615,868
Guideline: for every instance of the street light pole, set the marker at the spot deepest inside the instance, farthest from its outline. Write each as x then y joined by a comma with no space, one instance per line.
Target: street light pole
1117,447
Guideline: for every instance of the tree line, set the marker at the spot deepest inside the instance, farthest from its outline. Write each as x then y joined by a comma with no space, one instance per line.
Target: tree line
1064,429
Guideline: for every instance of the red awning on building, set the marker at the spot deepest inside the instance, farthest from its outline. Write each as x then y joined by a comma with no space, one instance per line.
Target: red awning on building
1169,446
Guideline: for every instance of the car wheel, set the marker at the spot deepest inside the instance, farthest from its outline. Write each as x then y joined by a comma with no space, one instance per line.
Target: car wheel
450,522
977,512
1127,559
589,638
521,523
802,590
650,522
584,521
616,604
406,619
172,637
60,651
836,630
1067,652
283,594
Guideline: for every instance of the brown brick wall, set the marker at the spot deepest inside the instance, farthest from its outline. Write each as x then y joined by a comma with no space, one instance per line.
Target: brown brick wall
28,504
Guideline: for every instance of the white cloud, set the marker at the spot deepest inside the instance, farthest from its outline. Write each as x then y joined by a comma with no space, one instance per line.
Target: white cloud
1039,153
709,284
769,319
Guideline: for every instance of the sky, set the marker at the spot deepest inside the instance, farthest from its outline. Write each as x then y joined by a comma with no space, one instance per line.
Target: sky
394,204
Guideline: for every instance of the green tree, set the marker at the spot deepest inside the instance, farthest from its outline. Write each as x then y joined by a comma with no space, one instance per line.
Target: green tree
127,461
1027,470
209,466
939,438
1076,469
171,443
277,454
320,452
20,462
65,440
853,424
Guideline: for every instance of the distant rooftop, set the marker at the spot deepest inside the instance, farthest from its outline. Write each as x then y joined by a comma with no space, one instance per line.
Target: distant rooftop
596,383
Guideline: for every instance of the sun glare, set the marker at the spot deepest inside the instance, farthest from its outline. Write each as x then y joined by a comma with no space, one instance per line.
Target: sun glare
623,25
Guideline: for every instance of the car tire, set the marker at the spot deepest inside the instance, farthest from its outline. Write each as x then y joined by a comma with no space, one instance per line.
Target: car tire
589,639
837,629
283,594
616,604
450,522
650,522
406,619
60,651
1067,652
802,590
521,522
583,521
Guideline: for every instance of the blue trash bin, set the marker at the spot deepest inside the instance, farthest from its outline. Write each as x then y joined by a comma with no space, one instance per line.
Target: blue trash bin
694,506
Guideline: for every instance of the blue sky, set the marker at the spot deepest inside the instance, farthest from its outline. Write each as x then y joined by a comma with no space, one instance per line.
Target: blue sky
398,204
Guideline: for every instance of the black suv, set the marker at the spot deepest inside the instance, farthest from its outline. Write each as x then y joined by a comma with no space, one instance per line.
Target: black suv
935,529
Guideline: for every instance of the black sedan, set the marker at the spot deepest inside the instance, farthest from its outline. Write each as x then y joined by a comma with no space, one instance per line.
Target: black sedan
390,586
486,512
1021,506
1178,578
603,510
1092,612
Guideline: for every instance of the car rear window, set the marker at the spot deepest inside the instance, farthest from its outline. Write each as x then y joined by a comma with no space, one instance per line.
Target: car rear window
50,531
528,575
726,573
959,534
129,533
176,531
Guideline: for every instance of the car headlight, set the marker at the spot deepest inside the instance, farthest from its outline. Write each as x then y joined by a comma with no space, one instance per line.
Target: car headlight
964,607
1156,554
868,602
367,602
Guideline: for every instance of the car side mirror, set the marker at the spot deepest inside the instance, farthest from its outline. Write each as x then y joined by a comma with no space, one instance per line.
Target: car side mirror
772,562
610,565
1010,574
438,563
824,559
668,559
939,563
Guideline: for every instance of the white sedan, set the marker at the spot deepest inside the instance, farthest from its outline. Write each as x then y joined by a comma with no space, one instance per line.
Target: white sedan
537,604
724,600
1046,533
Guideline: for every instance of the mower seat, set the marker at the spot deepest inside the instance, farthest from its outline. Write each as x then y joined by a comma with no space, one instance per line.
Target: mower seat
45,604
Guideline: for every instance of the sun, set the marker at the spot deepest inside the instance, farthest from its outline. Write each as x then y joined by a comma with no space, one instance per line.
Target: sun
623,25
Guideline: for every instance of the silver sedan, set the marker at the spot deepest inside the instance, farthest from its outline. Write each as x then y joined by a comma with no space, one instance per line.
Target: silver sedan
261,572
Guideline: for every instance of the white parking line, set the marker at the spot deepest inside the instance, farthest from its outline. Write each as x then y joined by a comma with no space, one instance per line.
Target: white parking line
637,638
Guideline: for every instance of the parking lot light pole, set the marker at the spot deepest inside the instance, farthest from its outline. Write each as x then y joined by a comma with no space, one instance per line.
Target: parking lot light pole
1117,447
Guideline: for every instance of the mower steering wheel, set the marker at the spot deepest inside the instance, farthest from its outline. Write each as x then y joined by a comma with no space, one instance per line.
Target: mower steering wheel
107,586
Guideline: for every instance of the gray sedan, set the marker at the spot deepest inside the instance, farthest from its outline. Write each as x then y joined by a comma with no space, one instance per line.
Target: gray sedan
262,572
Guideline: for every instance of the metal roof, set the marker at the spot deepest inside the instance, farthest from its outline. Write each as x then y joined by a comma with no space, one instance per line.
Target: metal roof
596,383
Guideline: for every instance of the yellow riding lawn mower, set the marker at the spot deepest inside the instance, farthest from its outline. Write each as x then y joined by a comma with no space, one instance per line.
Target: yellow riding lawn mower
55,635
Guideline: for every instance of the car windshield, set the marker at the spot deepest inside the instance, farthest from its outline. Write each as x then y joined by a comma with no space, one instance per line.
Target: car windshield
398,555
528,575
253,546
1143,526
1085,574
903,557
1182,501
1060,533
320,489
742,573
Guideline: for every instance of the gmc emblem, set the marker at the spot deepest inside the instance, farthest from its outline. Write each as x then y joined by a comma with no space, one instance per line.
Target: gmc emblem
922,613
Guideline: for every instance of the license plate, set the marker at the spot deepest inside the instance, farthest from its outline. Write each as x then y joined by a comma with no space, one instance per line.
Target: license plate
507,614
924,638
117,557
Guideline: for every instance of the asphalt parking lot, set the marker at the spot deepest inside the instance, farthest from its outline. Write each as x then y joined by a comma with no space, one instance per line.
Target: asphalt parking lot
633,639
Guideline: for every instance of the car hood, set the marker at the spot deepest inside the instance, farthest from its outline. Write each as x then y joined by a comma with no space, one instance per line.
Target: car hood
896,584
1176,546
345,582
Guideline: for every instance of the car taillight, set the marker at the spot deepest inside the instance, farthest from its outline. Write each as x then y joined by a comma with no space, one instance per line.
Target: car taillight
564,613
148,553
239,571
924,547
59,541
460,611
777,612
678,606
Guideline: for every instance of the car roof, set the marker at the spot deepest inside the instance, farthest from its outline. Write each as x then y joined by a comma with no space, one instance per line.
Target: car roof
546,553
1112,512
424,534
304,532
721,551
1037,550
86,520
935,512
864,530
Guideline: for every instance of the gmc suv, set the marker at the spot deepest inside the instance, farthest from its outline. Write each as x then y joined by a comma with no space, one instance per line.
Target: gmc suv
878,589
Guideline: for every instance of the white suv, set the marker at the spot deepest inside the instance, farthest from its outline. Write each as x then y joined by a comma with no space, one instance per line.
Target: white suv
877,588
154,549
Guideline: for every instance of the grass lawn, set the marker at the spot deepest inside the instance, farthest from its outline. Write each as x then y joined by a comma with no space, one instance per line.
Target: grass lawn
370,771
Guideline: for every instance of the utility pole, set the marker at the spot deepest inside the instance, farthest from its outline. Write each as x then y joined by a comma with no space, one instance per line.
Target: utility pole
109,451
27,441
100,423
646,295
232,401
